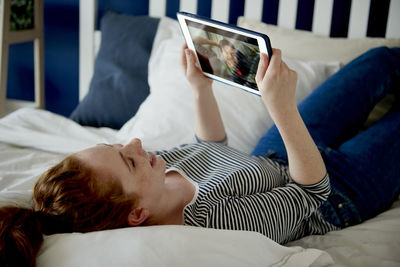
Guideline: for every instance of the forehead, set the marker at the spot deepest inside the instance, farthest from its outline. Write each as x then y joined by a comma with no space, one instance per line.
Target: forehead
94,153
101,159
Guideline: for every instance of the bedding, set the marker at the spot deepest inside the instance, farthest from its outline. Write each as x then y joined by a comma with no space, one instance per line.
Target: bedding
32,140
119,83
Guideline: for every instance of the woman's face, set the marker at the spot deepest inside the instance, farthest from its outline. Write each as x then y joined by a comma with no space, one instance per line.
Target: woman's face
140,173
229,54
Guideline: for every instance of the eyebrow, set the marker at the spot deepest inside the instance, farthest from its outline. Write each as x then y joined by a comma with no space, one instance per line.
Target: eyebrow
104,144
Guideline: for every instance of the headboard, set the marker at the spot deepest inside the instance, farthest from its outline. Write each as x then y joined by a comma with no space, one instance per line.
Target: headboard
335,18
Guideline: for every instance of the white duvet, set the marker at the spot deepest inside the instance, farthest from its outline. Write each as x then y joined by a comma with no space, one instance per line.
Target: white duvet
142,246
32,140
373,243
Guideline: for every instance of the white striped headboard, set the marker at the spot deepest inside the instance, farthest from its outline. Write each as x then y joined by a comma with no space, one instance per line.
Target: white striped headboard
335,18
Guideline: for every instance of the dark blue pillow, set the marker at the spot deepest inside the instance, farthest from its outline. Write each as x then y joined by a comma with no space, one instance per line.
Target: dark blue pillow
119,84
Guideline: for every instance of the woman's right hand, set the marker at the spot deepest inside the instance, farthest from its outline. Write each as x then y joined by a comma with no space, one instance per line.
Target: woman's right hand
208,124
192,70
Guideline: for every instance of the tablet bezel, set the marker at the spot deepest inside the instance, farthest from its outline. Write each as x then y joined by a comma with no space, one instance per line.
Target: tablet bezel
263,42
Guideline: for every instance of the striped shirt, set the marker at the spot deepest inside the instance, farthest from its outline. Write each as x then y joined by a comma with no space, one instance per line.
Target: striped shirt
241,192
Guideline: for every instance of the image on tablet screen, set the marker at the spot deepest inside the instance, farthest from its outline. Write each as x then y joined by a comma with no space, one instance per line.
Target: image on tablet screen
225,54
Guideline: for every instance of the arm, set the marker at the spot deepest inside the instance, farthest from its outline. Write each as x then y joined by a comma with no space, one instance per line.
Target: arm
202,41
276,213
277,84
208,122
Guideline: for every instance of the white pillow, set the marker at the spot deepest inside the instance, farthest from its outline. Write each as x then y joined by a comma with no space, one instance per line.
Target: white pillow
165,119
304,45
173,246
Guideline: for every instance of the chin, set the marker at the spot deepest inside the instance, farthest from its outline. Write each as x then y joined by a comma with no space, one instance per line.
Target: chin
161,163
164,164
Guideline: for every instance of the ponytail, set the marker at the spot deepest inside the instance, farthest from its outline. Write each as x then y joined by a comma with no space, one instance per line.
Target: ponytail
20,236
66,198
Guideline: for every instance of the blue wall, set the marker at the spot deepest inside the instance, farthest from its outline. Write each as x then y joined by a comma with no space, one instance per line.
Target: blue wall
61,29
61,18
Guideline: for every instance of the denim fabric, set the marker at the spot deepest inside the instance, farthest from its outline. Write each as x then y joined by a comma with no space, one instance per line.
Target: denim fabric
339,210
363,164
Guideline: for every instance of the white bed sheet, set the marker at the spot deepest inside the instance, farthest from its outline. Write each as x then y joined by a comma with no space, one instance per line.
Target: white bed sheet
372,243
142,246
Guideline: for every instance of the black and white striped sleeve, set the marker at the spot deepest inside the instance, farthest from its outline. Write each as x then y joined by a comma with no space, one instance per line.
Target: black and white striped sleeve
276,213
222,142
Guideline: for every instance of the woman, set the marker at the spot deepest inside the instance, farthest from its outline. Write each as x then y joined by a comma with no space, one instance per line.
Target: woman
282,192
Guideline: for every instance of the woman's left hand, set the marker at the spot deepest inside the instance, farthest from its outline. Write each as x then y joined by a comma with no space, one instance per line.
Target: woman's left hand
276,82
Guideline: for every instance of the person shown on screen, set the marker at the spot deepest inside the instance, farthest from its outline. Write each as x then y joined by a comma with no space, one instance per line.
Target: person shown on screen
316,170
240,62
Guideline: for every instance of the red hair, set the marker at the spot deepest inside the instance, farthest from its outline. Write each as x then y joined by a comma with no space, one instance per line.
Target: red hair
66,198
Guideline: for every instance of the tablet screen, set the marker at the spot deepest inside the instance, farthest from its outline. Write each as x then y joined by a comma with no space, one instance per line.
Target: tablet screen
225,54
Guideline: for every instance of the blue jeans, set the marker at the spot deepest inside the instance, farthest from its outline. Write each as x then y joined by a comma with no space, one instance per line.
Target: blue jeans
363,164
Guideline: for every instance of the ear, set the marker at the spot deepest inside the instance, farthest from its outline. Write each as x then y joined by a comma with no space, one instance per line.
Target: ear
137,216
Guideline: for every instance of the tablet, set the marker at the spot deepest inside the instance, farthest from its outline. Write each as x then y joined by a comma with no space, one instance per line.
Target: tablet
226,53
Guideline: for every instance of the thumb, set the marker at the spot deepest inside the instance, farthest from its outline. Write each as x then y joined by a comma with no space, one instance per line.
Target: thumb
192,65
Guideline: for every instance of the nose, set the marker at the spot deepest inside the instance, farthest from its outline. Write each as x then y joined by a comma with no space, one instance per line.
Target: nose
135,142
135,145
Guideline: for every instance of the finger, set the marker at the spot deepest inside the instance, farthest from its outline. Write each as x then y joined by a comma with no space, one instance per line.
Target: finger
183,58
190,62
294,74
276,59
262,67
284,66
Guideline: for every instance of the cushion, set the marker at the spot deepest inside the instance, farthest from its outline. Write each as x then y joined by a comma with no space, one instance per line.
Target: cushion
171,245
304,45
119,84
170,106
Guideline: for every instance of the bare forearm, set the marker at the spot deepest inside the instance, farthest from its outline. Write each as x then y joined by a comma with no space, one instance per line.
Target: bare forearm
208,122
306,165
200,40
277,84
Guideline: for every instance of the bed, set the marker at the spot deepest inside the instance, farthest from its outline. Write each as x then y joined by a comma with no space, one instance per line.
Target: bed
120,99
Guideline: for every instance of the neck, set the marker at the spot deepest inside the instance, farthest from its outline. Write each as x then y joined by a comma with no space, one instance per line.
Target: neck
179,192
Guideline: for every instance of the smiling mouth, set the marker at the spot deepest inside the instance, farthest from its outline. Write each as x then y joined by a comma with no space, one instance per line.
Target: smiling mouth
152,159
